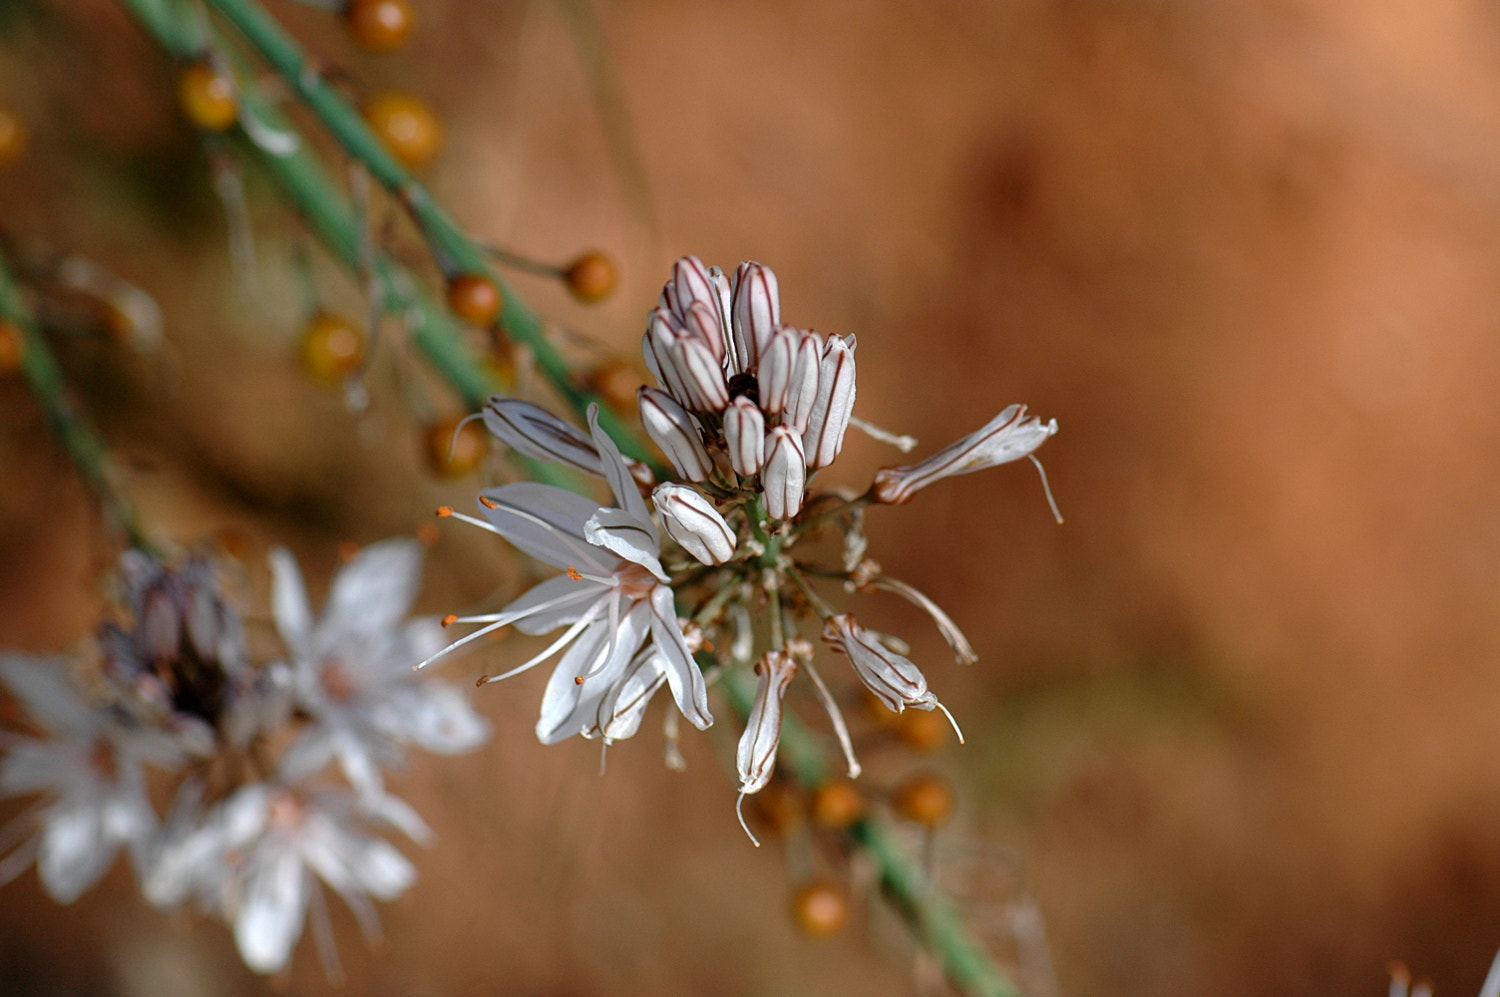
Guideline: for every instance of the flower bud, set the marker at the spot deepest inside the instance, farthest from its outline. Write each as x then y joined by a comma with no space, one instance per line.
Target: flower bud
894,679
701,373
784,477
532,430
802,390
756,758
1007,437
756,311
824,437
656,349
693,522
690,282
745,436
702,322
671,427
775,374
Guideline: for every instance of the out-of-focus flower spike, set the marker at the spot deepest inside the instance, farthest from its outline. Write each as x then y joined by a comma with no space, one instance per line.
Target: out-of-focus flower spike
693,522
671,427
756,758
745,436
784,476
532,430
775,375
1007,437
824,437
756,312
893,678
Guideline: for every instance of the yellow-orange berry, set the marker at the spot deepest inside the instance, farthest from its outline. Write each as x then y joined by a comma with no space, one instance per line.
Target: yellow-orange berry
591,277
407,126
379,25
454,451
474,298
206,96
332,347
820,907
12,136
776,807
926,799
923,730
836,804
616,382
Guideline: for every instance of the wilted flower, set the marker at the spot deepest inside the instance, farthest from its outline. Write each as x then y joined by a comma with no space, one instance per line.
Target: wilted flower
756,757
613,597
350,669
893,678
90,770
1007,437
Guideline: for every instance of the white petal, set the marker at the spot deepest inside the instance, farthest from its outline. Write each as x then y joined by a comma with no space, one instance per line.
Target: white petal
437,716
552,604
621,482
272,910
373,593
45,688
628,536
75,852
570,707
532,430
545,522
683,674
289,605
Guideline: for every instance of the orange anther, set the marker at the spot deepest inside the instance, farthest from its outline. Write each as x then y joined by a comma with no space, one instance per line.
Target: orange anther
481,680
578,680
573,574
450,618
445,510
488,503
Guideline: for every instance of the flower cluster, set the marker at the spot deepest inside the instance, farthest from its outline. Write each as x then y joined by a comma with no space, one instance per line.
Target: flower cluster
746,411
244,838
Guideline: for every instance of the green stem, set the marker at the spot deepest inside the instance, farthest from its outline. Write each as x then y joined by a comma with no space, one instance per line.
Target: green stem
46,381
450,243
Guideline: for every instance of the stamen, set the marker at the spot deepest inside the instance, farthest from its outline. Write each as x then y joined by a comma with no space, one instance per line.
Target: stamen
1047,489
450,619
445,510
739,810
906,444
488,503
473,521
840,729
573,574
950,720
550,649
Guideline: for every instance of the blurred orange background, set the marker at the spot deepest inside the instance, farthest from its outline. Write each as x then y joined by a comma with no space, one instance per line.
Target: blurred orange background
1236,724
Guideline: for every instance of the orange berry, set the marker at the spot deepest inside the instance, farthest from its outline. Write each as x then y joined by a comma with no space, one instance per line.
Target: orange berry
12,136
923,730
407,126
332,348
12,348
379,25
616,382
836,804
820,907
926,799
474,298
776,807
206,96
591,277
453,452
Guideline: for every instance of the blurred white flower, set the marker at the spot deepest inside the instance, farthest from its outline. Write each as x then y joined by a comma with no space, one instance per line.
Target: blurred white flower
251,860
90,772
613,598
350,668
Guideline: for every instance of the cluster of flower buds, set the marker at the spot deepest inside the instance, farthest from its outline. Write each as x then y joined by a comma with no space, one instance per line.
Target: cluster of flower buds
748,410
181,692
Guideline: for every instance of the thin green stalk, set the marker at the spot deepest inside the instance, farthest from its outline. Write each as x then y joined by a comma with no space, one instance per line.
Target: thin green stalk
46,381
453,247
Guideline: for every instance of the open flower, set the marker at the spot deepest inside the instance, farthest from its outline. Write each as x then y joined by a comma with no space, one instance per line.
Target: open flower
613,598
350,669
252,859
90,772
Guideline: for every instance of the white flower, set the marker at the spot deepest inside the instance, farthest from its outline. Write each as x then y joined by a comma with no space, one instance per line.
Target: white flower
613,598
351,668
894,679
251,860
90,772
